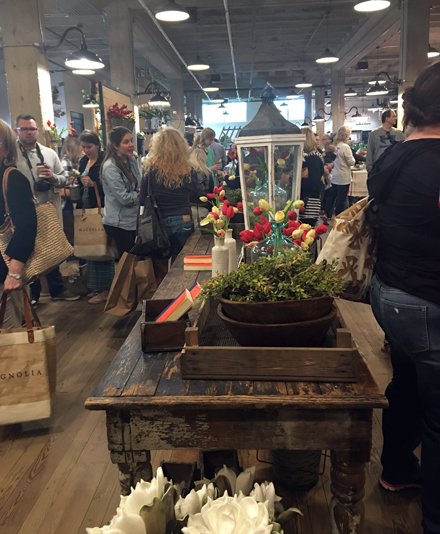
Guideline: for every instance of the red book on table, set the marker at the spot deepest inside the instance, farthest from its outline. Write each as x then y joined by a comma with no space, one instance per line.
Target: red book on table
180,305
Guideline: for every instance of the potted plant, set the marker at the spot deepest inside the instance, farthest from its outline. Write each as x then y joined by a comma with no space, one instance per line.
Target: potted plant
121,116
56,139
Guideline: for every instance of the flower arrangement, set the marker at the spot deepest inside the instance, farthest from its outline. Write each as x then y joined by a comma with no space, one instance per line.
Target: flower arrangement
120,112
55,135
229,503
163,114
221,212
232,153
289,276
302,235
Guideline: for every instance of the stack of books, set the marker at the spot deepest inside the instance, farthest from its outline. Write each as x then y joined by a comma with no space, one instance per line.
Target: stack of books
197,262
180,305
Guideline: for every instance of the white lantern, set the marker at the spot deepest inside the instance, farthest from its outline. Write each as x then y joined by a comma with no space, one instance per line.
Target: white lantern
270,157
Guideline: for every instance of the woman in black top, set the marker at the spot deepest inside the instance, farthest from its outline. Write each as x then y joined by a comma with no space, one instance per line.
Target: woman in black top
313,185
174,186
405,296
100,274
24,218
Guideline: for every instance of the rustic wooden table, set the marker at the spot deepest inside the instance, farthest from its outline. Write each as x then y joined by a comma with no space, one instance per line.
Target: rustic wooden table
149,407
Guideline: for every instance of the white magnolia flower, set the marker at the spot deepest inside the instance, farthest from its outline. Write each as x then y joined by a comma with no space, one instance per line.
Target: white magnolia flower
144,493
243,482
228,514
265,493
194,501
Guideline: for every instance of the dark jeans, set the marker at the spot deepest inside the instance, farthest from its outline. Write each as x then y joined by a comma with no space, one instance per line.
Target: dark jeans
412,326
337,197
124,239
54,281
178,232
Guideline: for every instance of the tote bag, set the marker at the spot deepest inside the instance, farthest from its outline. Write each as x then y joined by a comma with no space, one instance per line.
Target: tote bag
353,243
91,241
152,238
27,368
51,245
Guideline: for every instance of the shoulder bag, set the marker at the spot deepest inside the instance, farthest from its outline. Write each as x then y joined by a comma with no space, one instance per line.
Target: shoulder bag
51,245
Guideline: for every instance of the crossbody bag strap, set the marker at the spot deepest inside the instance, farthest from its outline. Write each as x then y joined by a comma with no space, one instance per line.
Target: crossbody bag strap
5,188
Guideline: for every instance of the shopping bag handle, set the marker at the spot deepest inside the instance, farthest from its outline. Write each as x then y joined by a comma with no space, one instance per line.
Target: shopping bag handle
28,313
98,201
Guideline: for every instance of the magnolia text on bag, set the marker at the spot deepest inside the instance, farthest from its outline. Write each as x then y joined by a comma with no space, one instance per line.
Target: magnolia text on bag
20,374
91,229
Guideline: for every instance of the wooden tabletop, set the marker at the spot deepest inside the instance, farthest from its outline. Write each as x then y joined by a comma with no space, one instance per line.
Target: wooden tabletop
136,379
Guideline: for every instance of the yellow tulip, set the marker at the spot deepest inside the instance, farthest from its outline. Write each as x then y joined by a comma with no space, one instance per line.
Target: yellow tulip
308,240
204,199
279,216
221,233
304,246
298,204
296,234
232,177
219,223
235,210
246,166
305,227
205,221
215,210
264,205
311,233
281,162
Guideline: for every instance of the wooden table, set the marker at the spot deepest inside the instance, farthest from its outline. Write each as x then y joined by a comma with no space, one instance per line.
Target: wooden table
149,407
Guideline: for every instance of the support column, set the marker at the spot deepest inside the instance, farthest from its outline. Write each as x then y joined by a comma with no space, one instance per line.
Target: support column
120,34
320,102
177,105
198,105
414,44
26,66
338,100
308,103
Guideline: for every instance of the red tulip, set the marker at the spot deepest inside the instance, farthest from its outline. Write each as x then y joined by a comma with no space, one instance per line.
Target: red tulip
215,191
248,196
259,226
321,229
230,212
249,181
263,220
221,188
257,234
267,228
297,242
210,195
49,123
261,149
224,209
292,215
252,168
288,231
246,236
72,122
284,155
214,214
70,134
304,234
54,125
226,202
72,130
257,211
294,224
252,152
240,206
302,209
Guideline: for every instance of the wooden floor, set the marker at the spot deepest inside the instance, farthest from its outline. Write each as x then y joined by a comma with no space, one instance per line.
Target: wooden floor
56,478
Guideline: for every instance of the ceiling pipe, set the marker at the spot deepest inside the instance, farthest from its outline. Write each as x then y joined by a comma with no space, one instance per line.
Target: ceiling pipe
231,45
254,38
159,27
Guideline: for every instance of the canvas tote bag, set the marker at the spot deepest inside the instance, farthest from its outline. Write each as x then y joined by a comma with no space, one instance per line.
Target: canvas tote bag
27,368
91,241
51,245
353,243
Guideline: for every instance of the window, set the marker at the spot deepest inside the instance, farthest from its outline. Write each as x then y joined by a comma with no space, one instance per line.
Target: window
213,114
295,109
78,121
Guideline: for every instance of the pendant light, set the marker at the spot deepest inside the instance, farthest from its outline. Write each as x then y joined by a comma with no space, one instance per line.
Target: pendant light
222,106
172,12
357,115
377,90
211,89
394,100
350,92
327,56
380,82
83,72
283,105
90,103
225,113
189,121
374,108
159,101
433,52
318,118
217,100
303,84
198,64
292,94
372,5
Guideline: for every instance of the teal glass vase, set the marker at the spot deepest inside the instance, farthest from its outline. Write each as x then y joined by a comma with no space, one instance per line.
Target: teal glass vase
274,245
262,192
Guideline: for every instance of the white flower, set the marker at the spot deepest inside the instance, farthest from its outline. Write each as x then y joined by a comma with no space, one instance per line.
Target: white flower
230,515
265,493
127,524
242,483
144,493
194,501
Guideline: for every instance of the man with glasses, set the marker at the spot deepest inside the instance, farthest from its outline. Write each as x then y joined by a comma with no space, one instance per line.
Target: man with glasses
383,137
43,169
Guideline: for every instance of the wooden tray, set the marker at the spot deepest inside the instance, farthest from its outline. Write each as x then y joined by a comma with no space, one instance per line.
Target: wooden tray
336,361
165,336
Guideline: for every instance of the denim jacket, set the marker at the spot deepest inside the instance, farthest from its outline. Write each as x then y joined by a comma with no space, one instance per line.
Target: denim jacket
121,198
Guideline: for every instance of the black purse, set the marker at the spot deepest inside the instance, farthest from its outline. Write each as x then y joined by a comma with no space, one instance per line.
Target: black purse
152,237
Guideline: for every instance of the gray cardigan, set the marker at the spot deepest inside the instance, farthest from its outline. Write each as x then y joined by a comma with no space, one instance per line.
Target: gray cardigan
121,198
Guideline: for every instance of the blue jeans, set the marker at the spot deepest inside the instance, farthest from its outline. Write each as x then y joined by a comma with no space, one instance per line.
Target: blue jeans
178,232
412,326
54,281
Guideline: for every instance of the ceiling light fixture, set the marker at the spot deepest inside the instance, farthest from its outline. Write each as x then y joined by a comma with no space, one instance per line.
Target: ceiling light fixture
372,5
172,12
305,123
189,121
225,113
83,72
394,100
303,84
433,52
374,81
327,56
222,106
292,94
159,100
350,92
90,103
217,100
377,90
283,105
211,89
198,64
318,118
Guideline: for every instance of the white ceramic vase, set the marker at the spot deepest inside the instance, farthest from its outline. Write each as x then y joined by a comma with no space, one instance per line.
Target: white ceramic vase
220,257
231,245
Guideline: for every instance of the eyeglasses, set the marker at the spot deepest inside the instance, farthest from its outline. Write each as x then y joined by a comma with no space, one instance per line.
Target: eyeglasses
27,129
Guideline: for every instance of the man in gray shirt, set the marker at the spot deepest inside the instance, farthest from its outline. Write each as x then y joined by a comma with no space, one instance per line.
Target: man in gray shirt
43,184
383,137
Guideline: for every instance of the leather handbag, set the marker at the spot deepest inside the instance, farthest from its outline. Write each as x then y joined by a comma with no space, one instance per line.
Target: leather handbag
51,245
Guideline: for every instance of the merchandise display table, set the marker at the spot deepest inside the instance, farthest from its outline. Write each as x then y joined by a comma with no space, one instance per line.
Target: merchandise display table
150,407
358,186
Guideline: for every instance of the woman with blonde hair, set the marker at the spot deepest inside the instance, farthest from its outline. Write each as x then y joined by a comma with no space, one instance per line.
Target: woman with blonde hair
312,184
204,142
198,161
23,214
168,175
341,173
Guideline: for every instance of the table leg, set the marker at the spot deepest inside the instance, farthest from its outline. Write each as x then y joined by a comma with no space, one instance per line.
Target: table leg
347,485
136,467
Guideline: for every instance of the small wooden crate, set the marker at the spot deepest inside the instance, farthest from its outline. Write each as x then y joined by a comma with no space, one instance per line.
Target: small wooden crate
165,336
307,364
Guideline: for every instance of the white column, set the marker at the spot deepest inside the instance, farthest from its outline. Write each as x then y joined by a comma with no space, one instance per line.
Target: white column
26,66
414,44
177,105
338,100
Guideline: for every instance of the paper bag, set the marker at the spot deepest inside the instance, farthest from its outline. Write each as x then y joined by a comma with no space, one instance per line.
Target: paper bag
122,296
27,369
91,241
145,279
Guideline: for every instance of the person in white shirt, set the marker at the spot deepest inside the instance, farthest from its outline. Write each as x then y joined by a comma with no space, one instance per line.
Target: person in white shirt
44,181
341,173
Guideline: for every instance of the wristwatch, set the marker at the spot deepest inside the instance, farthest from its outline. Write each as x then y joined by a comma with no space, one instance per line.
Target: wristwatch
15,276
